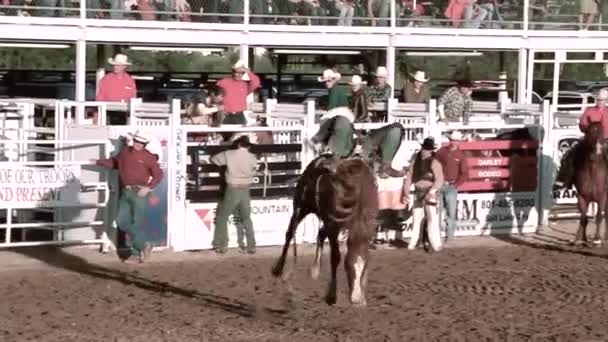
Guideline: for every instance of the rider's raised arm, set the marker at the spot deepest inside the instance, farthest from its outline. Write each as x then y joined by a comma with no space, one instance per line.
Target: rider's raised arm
438,173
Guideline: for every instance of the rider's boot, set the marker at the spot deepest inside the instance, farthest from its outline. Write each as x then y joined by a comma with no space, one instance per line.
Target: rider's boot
386,171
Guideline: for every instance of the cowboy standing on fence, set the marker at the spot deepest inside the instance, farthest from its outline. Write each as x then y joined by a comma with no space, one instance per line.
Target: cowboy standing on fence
380,92
337,128
117,86
456,103
426,174
599,113
237,87
416,90
139,173
455,171
241,167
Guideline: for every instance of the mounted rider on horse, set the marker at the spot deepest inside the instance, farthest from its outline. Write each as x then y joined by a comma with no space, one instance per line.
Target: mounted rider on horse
597,114
337,128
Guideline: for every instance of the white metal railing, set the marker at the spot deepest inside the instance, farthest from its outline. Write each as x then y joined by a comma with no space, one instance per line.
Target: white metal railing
55,203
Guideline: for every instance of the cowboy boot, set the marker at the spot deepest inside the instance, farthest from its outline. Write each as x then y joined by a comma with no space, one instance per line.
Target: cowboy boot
386,171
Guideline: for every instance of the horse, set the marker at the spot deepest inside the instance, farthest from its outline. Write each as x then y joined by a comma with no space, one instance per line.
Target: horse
590,172
346,201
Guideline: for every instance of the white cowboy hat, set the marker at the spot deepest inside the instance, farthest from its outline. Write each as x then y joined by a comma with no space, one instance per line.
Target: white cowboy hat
119,59
140,137
329,74
456,136
356,80
253,138
240,65
381,72
420,76
603,94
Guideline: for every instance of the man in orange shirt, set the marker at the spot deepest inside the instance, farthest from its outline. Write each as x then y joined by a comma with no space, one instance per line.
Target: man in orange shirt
117,86
599,113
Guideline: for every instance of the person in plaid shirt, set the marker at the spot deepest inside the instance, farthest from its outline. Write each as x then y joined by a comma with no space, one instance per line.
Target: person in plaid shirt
456,103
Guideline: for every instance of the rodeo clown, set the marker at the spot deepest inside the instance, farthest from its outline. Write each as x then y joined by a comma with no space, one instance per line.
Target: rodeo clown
337,128
139,173
426,174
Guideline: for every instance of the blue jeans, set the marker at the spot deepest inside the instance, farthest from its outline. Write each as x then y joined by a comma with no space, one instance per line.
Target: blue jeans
449,196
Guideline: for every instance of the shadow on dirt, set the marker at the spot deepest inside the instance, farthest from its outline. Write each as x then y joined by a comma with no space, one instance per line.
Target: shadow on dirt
57,257
552,245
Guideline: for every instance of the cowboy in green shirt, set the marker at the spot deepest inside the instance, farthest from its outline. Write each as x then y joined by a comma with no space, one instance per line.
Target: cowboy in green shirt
336,129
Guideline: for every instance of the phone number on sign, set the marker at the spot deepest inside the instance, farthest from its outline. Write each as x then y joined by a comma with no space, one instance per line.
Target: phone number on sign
507,203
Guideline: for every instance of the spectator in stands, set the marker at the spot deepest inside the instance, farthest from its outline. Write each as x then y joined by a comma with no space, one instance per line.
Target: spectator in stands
588,9
380,92
455,11
416,90
455,173
242,83
426,174
358,99
347,11
476,12
205,110
456,104
117,86
379,9
241,166
139,173
599,113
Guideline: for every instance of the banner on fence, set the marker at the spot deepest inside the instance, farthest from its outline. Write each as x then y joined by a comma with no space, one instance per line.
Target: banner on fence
270,220
22,186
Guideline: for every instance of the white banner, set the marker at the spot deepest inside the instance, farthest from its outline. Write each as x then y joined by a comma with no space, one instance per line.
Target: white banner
270,220
23,187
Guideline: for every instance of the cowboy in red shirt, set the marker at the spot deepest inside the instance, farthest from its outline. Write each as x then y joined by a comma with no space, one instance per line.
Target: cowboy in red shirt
139,173
242,83
117,86
599,113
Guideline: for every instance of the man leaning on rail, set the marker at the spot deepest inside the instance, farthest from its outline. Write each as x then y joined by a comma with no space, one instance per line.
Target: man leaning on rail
598,113
139,173
337,128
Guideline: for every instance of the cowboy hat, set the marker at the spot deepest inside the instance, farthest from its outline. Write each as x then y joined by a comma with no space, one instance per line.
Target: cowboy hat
329,74
119,59
240,66
356,80
420,76
139,137
603,94
429,144
381,72
455,136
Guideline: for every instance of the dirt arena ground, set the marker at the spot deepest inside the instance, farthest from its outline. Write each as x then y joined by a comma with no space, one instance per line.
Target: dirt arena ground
520,289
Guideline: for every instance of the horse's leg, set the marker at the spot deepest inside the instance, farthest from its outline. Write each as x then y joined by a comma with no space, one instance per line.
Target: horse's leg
332,296
598,221
297,216
581,233
315,269
599,218
355,265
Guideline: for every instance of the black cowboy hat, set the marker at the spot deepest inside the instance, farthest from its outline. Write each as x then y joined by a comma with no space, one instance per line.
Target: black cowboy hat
429,144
